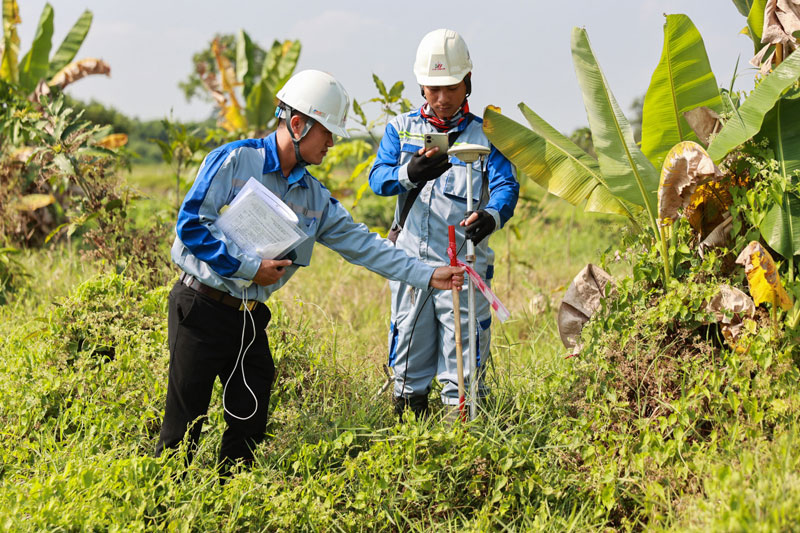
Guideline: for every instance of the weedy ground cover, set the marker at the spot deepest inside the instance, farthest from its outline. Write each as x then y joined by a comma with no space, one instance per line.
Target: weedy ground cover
656,424
84,376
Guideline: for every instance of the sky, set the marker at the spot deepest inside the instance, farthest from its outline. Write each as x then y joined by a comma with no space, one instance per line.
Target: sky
520,49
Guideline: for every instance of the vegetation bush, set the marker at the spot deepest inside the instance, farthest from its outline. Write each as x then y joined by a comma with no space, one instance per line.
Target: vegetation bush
657,389
69,182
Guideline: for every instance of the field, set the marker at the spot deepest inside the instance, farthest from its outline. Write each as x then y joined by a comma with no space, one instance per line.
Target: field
84,377
83,381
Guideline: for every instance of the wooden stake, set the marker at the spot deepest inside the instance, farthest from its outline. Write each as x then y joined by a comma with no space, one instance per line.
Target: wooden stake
462,411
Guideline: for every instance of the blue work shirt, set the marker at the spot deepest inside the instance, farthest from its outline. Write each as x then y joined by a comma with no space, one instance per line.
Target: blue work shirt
202,250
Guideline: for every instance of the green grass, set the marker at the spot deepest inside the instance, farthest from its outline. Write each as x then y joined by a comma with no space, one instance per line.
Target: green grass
80,426
156,184
83,362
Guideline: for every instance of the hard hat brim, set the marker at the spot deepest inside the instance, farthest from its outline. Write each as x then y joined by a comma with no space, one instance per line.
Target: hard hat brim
336,130
439,81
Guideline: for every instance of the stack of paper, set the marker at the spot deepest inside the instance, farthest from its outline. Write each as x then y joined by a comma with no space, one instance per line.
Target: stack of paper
260,223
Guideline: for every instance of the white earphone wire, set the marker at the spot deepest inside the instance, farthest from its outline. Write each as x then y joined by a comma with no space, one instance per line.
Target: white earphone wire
245,313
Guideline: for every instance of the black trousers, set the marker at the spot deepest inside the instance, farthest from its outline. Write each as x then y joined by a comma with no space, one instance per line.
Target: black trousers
204,341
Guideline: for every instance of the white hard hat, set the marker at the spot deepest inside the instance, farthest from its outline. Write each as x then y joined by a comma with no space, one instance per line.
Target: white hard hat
442,59
318,95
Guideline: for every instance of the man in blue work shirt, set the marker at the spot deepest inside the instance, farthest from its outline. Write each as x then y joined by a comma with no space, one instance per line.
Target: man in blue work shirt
218,304
432,193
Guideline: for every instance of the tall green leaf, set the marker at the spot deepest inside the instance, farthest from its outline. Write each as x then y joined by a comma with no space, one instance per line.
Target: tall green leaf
279,64
629,174
780,127
33,66
260,106
552,161
781,226
9,69
755,22
244,58
71,44
682,81
743,6
747,121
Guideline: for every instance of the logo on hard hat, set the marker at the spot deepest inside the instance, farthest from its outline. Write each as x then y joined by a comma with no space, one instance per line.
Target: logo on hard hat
318,112
439,66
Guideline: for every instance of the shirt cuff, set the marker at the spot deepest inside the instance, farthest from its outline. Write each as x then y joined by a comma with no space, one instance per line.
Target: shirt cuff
421,276
248,268
402,177
496,216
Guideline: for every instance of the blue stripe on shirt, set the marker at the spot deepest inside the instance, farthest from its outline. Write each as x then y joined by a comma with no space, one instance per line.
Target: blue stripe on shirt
383,175
191,231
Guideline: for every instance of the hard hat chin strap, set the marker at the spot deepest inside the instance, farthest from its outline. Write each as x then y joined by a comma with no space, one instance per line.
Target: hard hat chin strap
290,112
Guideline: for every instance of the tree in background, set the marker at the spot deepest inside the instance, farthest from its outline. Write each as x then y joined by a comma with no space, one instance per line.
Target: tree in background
37,73
242,79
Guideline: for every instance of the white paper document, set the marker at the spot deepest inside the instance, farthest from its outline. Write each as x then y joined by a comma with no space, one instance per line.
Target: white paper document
260,223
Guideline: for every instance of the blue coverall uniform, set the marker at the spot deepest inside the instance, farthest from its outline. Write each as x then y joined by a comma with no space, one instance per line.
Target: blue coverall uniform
421,334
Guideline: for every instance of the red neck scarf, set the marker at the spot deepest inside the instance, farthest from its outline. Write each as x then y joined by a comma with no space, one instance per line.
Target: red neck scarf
444,125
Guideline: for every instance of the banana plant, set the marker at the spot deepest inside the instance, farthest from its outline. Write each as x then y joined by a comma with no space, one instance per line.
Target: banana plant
622,180
37,66
258,87
771,111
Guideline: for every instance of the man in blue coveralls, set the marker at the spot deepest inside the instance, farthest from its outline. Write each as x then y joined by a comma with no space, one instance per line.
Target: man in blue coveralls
218,304
432,192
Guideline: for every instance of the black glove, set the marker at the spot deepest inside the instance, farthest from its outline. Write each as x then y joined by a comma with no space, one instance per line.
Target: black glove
422,169
481,228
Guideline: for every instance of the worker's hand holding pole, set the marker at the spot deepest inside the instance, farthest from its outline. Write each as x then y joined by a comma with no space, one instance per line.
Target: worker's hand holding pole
462,412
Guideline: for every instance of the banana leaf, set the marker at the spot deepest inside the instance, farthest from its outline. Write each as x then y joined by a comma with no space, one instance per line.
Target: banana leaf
748,119
629,174
762,276
755,22
71,44
9,69
287,62
79,69
682,81
279,64
244,58
260,106
552,161
34,64
781,225
780,127
599,199
743,6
